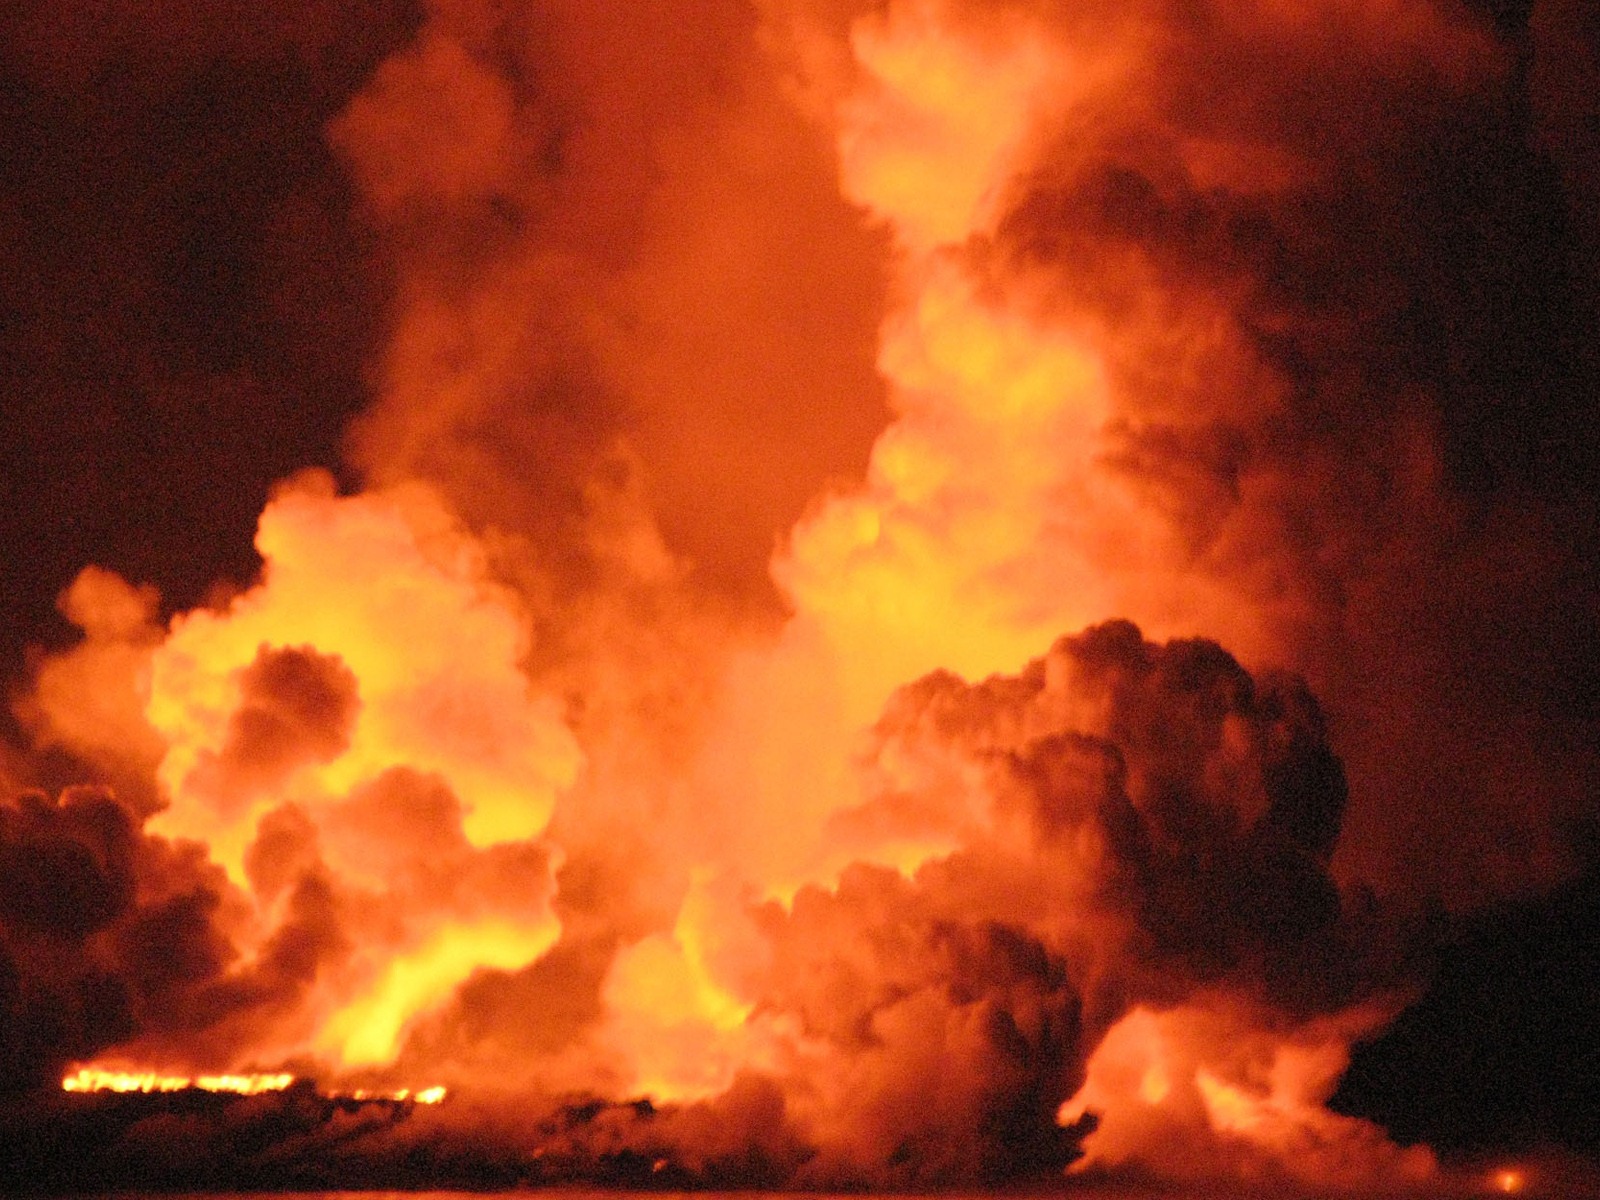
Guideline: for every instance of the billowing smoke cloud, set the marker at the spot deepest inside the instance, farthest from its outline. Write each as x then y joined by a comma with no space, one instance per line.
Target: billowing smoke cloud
110,937
1182,337
673,775
1278,276
1139,828
295,706
623,255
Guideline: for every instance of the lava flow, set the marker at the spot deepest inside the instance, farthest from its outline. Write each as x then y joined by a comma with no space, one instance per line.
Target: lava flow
884,633
96,1079
99,1079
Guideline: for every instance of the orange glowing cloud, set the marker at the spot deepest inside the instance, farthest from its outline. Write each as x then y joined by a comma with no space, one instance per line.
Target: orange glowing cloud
353,737
384,587
994,808
1211,1090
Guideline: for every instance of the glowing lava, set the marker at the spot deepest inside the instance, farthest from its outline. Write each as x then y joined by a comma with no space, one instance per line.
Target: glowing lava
430,1095
1510,1181
100,1079
95,1079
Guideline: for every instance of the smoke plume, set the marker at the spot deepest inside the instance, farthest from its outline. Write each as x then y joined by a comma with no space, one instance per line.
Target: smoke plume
917,588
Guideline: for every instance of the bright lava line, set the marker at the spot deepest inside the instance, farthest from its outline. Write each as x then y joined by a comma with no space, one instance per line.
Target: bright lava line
94,1079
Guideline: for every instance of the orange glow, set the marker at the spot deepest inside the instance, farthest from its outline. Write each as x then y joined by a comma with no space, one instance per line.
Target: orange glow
386,584
368,691
431,1095
95,1079
1158,1078
680,1020
1510,1181
478,781
934,136
367,1031
99,1079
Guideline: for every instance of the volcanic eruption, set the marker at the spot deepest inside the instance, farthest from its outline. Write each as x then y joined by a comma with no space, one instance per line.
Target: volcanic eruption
904,613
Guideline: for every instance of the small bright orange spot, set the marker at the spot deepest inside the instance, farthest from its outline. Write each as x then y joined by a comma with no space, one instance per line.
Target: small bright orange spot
1510,1181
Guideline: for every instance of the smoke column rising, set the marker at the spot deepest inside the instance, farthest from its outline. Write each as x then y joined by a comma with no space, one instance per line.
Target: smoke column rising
859,510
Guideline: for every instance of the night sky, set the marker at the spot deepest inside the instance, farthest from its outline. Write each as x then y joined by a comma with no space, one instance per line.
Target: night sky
202,282
189,296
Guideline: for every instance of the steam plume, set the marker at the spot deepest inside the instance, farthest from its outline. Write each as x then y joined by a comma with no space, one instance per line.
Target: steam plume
722,751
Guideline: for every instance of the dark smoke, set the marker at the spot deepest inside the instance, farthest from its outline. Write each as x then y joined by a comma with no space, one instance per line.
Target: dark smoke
1346,283
112,938
100,932
296,706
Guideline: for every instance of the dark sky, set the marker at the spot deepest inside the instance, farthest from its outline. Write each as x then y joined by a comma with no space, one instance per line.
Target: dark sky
194,303
188,300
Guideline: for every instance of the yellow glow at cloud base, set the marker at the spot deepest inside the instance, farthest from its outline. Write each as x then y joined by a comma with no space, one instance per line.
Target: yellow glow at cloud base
1209,1076
367,1031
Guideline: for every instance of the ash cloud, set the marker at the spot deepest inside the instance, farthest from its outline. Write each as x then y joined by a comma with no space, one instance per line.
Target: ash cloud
1155,800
